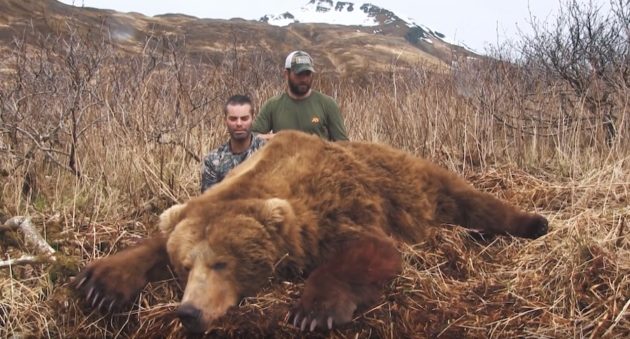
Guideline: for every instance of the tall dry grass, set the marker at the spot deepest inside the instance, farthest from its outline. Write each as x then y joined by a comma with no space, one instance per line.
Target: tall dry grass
95,143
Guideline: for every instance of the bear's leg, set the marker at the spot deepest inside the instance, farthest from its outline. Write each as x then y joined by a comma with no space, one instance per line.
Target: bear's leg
116,280
461,204
354,277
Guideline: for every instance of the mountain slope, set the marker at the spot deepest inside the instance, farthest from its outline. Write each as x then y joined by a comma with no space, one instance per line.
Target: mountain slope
338,48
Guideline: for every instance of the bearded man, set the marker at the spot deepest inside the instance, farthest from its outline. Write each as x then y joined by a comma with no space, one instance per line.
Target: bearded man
239,113
300,107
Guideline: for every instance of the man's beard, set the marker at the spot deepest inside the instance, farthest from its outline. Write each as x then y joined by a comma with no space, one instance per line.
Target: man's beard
297,89
242,135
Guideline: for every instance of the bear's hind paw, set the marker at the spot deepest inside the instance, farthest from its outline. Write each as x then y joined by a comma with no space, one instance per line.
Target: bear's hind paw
532,226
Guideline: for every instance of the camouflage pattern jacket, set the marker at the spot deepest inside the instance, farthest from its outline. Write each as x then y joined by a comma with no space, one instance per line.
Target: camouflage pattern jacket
220,161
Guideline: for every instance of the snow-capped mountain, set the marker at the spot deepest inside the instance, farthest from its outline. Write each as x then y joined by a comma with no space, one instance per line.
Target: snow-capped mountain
354,14
344,37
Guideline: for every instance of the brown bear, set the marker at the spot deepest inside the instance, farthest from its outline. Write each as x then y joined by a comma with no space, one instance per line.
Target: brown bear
301,205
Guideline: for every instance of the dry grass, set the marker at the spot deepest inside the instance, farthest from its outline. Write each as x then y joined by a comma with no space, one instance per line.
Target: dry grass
135,124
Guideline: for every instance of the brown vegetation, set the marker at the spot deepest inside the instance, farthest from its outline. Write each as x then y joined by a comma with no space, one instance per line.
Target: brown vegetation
95,143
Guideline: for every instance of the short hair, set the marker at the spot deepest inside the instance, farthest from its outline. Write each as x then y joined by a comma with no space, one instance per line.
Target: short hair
238,99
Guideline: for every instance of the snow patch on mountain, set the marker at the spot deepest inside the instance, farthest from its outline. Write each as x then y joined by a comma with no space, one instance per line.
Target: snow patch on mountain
325,11
353,14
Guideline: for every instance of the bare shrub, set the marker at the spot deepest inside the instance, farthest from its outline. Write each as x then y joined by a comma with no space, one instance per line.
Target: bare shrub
586,53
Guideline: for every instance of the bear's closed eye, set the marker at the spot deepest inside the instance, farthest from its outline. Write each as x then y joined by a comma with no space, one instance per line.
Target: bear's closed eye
217,266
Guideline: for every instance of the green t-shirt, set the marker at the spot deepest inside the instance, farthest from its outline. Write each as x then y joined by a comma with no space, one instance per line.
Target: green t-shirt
318,114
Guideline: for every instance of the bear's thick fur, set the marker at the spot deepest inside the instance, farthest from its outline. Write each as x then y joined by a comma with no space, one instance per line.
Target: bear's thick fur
300,205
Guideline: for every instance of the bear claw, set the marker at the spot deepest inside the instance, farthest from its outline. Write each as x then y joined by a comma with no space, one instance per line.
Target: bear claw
111,306
81,282
295,317
303,325
89,295
95,299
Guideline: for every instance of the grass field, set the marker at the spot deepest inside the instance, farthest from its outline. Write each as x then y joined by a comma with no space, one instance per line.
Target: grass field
95,144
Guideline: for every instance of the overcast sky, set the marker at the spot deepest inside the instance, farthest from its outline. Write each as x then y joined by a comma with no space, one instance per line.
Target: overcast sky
475,23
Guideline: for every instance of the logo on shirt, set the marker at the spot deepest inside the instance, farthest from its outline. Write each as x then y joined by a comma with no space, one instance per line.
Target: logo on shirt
315,120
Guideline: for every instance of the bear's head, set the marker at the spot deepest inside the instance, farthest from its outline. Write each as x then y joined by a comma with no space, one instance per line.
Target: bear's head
222,252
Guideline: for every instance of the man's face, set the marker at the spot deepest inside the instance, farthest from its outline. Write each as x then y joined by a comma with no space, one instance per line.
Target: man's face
300,83
238,120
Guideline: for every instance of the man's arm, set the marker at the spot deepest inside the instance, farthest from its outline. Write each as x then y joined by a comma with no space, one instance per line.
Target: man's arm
336,127
262,123
209,175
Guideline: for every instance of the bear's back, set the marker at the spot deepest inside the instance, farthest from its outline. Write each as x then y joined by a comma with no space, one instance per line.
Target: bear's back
353,182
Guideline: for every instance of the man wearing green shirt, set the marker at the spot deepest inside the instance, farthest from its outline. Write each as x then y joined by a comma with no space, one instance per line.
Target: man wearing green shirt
300,107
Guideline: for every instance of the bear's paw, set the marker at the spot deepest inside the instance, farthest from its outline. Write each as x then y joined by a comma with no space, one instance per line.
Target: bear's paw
109,283
325,303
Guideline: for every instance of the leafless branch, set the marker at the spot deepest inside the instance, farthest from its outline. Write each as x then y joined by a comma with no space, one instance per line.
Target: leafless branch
23,260
166,139
33,240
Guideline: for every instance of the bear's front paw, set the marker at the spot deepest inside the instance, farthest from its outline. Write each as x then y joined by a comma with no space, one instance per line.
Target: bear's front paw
109,283
325,303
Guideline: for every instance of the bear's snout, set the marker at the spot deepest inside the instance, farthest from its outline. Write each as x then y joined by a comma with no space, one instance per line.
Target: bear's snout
190,316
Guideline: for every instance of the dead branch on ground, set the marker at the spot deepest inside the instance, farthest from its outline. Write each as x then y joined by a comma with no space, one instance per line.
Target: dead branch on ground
33,240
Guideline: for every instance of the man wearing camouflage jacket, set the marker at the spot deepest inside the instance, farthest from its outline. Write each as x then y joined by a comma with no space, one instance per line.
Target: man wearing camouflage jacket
242,144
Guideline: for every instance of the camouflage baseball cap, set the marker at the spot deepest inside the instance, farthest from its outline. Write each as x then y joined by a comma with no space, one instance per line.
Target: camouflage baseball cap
299,61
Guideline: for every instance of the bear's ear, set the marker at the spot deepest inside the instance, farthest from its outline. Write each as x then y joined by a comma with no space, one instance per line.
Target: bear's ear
170,218
276,211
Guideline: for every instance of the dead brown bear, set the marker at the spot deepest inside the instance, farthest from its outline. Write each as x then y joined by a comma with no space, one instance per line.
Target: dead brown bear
331,210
